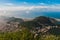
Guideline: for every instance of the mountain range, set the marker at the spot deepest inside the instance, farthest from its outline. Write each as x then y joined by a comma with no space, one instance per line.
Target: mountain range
10,24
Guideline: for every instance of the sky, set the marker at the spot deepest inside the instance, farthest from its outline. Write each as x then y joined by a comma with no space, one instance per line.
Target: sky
30,8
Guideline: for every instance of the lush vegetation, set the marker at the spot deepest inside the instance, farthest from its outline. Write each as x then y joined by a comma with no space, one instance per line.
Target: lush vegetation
26,28
25,34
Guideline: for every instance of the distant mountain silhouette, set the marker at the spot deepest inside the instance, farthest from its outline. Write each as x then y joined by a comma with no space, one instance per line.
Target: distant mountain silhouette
45,20
41,22
13,19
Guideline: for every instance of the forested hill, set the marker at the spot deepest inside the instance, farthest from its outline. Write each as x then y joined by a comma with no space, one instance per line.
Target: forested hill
13,24
40,28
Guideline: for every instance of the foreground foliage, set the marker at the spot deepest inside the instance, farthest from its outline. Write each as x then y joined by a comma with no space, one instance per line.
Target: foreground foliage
25,34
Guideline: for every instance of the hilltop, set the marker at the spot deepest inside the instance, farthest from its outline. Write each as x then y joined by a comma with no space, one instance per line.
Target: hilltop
11,24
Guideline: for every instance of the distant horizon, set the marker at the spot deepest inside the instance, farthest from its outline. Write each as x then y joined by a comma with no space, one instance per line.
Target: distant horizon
30,8
30,16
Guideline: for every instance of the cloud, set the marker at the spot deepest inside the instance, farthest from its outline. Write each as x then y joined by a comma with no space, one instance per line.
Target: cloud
23,10
27,12
42,3
25,3
43,6
9,4
39,7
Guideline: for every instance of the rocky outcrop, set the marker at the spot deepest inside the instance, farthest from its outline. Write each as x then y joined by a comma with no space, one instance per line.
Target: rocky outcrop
10,24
